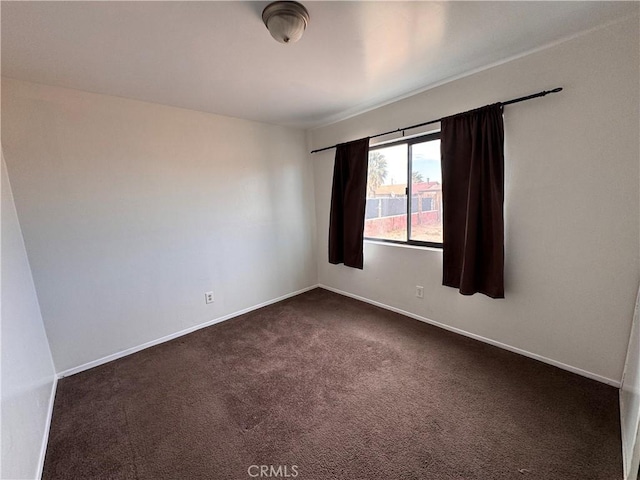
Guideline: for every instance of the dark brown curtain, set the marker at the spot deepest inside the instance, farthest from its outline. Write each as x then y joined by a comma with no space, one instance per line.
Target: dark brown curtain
472,147
348,200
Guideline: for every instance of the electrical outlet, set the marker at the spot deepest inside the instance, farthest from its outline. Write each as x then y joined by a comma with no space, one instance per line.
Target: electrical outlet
419,291
208,297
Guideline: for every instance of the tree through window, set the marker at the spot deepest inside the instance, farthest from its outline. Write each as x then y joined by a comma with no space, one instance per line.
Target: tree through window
404,192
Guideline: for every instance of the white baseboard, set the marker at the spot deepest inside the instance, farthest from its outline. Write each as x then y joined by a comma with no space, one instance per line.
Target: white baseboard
47,428
129,351
535,356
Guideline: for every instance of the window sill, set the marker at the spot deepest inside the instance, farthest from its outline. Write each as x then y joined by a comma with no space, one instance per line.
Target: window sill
403,245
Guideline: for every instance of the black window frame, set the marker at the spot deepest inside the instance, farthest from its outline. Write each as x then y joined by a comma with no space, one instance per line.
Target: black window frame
409,141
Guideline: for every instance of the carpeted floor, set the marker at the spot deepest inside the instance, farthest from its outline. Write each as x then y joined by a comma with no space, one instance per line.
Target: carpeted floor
323,387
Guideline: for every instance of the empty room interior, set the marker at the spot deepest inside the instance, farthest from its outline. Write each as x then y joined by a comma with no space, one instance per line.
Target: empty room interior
320,240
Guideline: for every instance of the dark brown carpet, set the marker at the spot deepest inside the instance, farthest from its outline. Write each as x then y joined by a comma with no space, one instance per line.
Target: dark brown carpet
341,390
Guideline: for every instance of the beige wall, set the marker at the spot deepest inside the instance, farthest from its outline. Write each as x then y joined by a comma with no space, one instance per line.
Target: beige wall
27,369
132,211
571,205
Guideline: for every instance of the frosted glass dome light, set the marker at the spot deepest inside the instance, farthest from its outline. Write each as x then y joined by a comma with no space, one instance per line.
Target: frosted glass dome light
286,21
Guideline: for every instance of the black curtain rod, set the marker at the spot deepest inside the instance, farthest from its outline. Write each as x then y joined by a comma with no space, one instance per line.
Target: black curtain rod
508,102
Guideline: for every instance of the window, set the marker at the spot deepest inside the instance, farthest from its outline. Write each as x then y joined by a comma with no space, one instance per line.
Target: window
404,192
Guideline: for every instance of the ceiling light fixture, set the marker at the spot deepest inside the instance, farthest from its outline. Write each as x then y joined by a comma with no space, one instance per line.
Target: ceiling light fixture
286,21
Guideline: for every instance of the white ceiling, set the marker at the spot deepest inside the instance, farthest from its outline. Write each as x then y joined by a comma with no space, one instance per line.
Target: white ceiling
218,57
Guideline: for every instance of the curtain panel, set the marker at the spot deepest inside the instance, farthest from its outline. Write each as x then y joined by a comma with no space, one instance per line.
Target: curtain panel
472,148
348,201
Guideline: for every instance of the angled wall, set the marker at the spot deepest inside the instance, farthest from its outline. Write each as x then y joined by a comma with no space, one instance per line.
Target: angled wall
28,376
